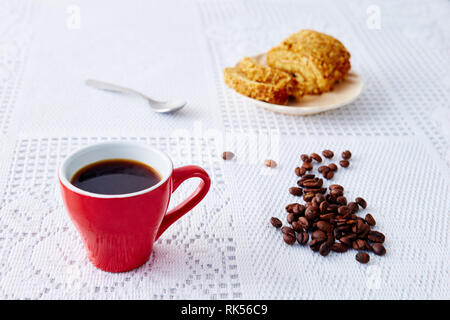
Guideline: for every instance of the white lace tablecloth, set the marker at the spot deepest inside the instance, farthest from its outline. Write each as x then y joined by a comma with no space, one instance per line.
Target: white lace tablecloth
398,131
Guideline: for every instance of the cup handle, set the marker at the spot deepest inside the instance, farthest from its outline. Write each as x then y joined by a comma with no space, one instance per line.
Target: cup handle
179,175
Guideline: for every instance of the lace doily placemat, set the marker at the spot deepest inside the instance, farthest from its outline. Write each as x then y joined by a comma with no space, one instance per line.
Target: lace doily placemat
398,131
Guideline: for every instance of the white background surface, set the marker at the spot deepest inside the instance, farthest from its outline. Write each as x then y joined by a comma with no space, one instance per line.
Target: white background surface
397,130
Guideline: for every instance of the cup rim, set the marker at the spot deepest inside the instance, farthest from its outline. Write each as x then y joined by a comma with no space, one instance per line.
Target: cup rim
66,183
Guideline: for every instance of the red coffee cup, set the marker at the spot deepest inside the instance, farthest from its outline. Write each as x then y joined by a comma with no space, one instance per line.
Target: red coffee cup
118,231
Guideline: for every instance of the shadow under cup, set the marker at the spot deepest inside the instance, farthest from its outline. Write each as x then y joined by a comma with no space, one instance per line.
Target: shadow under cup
118,231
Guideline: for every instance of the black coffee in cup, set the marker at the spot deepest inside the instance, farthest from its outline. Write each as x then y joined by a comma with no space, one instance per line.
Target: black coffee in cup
115,176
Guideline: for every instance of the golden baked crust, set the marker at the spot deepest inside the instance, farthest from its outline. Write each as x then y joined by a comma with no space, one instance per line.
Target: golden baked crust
268,92
313,57
257,72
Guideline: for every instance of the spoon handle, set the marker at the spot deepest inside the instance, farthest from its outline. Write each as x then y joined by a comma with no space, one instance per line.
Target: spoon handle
112,87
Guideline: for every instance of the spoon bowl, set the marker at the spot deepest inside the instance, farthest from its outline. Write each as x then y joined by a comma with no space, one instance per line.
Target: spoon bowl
168,106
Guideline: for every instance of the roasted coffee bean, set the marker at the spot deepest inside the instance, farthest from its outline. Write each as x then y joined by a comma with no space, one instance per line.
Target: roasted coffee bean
358,225
295,191
310,182
332,208
361,202
270,163
330,238
289,238
347,216
314,245
327,216
313,183
301,209
290,207
304,223
360,222
376,236
324,249
310,204
298,209
338,234
336,186
378,249
328,154
314,201
302,237
227,155
343,211
323,207
363,231
311,213
370,220
346,155
359,244
319,198
303,180
362,257
300,171
291,218
323,169
353,207
348,239
332,167
312,190
330,198
296,226
344,163
344,228
308,196
341,200
309,176
305,158
339,247
319,236
307,165
324,226
286,229
316,157
329,175
336,193
276,222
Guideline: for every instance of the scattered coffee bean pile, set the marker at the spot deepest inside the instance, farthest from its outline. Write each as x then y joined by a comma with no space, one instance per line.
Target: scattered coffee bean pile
326,216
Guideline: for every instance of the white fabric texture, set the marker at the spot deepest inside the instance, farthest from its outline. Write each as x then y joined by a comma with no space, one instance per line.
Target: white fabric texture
398,132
